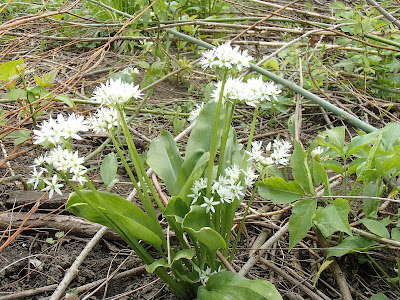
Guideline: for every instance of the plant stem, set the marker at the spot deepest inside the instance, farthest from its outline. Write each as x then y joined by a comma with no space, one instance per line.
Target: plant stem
141,172
225,133
214,142
242,224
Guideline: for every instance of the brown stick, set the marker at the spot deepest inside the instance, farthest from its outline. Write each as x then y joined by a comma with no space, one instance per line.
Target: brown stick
75,225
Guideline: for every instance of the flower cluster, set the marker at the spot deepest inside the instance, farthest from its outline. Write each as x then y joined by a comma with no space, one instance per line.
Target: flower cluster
252,92
104,120
57,131
195,112
207,273
116,93
280,152
224,190
224,56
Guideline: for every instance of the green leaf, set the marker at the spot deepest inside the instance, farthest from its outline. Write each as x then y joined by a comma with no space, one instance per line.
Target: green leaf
301,172
108,169
395,234
20,136
279,191
228,286
337,5
333,165
273,63
191,170
360,142
198,223
47,79
164,158
321,269
16,94
376,227
349,245
322,224
67,100
319,175
378,296
126,217
201,135
182,254
337,215
370,206
301,220
390,136
9,70
337,135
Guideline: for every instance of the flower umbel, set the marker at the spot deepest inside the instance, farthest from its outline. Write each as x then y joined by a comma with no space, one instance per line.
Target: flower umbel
116,93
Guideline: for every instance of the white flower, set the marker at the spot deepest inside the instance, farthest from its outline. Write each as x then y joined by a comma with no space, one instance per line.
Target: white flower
116,93
36,177
103,120
224,56
281,153
225,194
236,190
207,273
249,176
234,90
198,185
256,152
195,112
317,151
233,173
209,204
56,131
52,186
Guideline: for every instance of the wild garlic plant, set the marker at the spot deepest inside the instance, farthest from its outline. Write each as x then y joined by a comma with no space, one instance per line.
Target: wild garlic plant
205,187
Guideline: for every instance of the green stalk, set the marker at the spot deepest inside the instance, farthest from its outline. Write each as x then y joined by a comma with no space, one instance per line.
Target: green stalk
141,172
228,221
242,224
225,133
214,142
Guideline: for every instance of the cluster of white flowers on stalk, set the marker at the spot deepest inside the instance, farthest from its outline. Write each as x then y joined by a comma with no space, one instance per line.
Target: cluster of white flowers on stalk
224,190
116,93
252,92
195,112
224,56
104,120
280,152
57,131
207,273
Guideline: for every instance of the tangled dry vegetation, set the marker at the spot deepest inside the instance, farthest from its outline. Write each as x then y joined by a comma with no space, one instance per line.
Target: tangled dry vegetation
46,251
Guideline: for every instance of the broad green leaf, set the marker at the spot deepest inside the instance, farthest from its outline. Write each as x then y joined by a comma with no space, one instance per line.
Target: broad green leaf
319,175
321,269
67,100
273,63
9,71
119,210
323,225
392,162
16,94
108,168
279,191
334,165
360,142
201,135
395,234
182,254
366,171
337,5
376,227
390,136
337,215
301,220
47,79
379,296
198,223
349,245
232,153
300,170
20,136
229,286
337,135
370,206
164,158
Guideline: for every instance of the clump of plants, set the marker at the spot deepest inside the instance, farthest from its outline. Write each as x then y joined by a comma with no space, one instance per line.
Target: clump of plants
204,188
